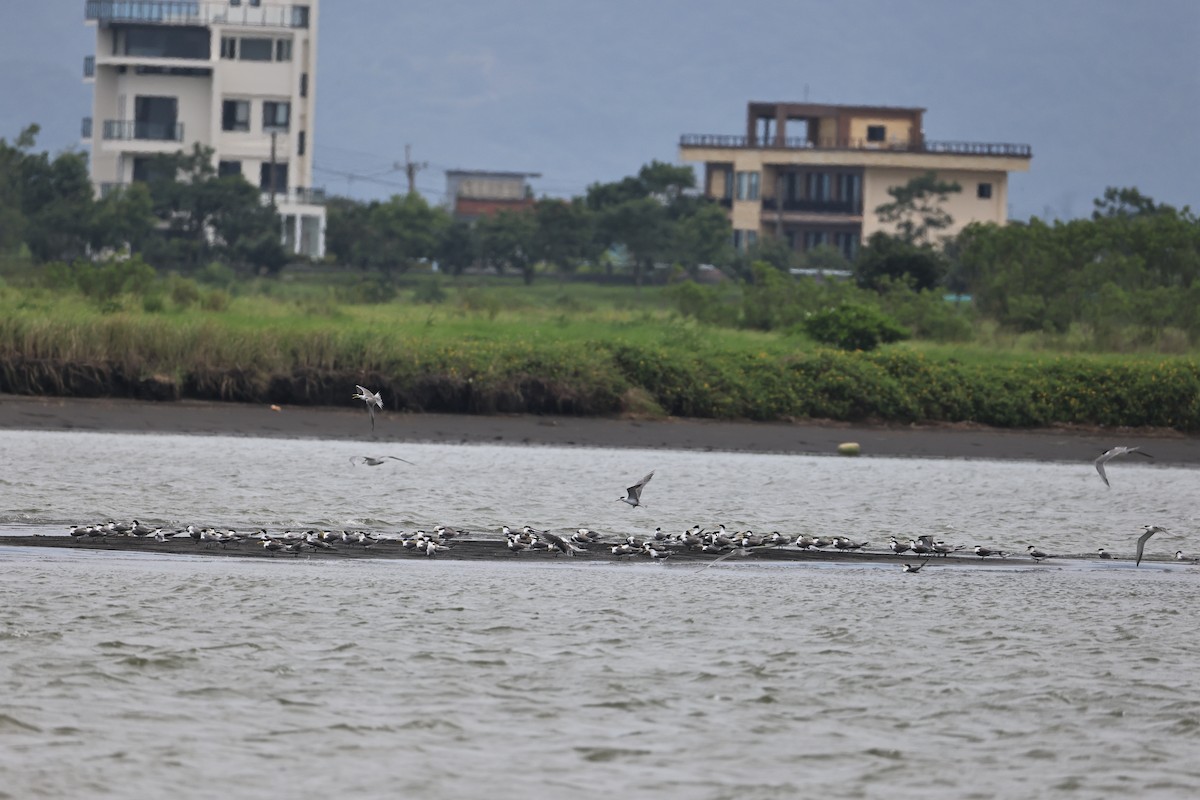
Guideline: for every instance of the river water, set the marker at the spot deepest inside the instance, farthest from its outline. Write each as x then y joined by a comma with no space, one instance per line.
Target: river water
136,675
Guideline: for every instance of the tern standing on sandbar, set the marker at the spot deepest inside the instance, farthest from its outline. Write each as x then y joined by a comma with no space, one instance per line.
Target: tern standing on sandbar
372,399
634,493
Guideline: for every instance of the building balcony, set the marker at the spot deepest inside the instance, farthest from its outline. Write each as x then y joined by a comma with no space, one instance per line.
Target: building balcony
89,67
128,129
297,196
196,13
720,141
842,207
85,129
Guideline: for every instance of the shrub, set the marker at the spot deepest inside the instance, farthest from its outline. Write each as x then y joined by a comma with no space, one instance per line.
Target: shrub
216,300
429,292
184,291
850,326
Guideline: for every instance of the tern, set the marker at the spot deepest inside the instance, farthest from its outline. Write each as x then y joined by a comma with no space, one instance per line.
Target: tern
915,567
375,461
634,497
1037,555
1141,545
983,552
372,399
1102,553
1110,454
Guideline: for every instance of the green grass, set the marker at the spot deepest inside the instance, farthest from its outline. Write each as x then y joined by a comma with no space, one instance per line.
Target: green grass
554,348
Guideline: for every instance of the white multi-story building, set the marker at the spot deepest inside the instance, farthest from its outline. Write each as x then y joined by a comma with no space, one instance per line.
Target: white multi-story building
238,76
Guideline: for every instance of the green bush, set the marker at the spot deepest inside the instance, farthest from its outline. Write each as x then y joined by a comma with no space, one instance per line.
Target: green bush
216,300
184,291
430,292
850,326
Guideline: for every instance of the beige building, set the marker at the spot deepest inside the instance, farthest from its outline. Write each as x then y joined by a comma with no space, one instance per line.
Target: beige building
238,76
814,174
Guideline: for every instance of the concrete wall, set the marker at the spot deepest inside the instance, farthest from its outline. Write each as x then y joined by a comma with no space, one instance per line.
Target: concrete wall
965,206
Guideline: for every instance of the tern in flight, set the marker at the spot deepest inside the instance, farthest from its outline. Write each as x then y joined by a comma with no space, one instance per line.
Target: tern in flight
634,497
1141,545
372,399
1110,454
374,461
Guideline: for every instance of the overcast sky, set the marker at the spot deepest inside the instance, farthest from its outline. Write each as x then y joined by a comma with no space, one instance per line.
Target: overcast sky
1107,92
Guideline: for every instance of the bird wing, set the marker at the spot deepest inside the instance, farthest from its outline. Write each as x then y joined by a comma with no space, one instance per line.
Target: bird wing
1141,545
398,458
635,491
1100,468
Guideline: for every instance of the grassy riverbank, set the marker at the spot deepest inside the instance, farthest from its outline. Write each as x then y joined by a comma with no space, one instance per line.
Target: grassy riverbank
570,349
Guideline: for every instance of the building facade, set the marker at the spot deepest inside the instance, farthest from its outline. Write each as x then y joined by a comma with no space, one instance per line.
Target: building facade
813,174
238,76
472,194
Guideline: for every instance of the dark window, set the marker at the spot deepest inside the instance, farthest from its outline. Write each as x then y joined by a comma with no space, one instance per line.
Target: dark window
304,84
155,118
148,169
276,115
876,133
283,49
299,16
227,168
166,42
984,191
255,3
235,2
256,49
300,143
235,115
228,47
280,175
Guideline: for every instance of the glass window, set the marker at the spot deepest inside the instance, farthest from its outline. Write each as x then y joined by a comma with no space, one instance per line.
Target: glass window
227,168
876,133
235,2
276,115
256,49
283,49
235,115
280,177
747,185
818,186
300,142
228,47
255,3
304,84
984,191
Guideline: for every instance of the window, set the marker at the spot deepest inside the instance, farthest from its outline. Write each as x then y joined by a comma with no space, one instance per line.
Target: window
300,142
984,191
235,3
815,239
304,84
747,185
847,243
256,49
255,3
744,240
235,115
817,186
283,49
228,47
876,133
227,168
276,115
849,187
279,174
299,16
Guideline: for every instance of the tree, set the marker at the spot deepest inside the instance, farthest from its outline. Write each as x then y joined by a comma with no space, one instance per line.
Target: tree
892,258
507,241
457,247
642,225
704,237
564,235
916,207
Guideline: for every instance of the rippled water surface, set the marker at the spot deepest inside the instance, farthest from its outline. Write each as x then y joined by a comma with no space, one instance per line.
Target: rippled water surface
125,675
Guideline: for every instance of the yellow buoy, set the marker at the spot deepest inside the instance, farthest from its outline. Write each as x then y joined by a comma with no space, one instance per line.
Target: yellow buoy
848,449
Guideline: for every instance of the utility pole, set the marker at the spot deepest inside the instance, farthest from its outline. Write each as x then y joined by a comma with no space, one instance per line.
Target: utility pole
274,135
411,169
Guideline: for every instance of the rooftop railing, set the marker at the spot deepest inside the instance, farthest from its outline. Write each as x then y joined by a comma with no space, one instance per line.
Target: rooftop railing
197,12
800,143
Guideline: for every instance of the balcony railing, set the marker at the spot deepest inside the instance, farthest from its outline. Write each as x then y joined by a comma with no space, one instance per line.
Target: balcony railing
852,207
798,143
89,66
297,195
85,128
108,187
197,12
150,131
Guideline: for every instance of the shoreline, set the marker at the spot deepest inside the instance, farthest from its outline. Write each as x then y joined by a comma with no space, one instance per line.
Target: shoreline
809,437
